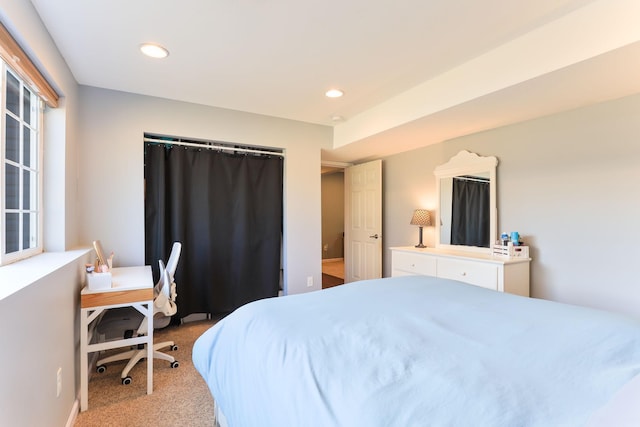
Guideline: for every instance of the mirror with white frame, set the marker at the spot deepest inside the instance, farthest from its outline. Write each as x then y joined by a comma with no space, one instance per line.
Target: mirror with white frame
466,218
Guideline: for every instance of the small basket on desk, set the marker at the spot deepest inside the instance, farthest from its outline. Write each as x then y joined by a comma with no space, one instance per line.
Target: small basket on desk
511,251
96,281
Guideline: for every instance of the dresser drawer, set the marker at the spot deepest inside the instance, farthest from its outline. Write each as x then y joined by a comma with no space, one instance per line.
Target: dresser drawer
474,273
409,263
502,275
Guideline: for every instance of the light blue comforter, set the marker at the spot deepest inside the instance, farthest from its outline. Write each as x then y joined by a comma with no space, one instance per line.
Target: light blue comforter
415,351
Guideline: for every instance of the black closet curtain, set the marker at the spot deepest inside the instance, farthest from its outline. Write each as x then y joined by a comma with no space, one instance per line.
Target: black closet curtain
470,213
226,209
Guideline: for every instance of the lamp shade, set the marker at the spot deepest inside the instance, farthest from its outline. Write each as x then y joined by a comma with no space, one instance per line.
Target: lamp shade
421,217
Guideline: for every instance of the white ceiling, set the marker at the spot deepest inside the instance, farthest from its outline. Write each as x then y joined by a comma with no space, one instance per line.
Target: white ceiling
391,58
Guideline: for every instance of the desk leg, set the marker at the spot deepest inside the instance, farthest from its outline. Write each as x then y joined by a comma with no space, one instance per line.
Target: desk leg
84,360
150,347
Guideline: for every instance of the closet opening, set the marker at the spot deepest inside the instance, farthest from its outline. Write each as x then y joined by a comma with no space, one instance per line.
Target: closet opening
224,203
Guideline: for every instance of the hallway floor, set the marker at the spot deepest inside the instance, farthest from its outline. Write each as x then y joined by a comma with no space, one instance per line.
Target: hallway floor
334,267
332,273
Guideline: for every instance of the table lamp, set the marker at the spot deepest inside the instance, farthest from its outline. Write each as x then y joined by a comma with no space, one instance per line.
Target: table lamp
421,218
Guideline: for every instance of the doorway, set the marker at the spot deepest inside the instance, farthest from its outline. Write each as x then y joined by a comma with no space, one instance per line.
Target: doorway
359,201
332,192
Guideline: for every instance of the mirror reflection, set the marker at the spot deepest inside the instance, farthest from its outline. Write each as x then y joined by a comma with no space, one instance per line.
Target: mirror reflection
464,207
466,216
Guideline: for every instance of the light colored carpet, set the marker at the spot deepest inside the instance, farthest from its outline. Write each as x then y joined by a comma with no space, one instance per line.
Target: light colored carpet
180,396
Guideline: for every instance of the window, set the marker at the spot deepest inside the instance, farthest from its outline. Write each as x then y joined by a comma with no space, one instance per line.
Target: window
21,168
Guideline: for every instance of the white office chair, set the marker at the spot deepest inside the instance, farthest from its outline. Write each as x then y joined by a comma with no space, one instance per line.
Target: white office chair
160,322
128,320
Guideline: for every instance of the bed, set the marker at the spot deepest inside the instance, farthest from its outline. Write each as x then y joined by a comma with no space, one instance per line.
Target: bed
420,351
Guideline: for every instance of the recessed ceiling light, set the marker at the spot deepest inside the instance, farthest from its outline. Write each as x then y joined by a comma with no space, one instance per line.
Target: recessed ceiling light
154,50
334,93
336,118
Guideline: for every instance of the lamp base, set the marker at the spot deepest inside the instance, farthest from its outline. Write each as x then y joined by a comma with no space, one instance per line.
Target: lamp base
420,245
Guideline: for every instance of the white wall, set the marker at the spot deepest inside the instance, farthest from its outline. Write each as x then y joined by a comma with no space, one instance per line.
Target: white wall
569,183
112,168
39,334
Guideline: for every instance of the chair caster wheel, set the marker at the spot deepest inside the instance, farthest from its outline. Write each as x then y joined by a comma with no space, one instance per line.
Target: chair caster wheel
174,347
175,364
101,369
126,381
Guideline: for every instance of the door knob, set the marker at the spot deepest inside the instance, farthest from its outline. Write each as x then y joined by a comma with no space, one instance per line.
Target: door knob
375,236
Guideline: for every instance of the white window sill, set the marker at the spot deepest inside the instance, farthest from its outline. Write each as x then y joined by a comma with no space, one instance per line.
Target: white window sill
20,274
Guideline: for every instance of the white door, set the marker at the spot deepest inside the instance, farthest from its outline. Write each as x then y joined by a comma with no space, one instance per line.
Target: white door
363,221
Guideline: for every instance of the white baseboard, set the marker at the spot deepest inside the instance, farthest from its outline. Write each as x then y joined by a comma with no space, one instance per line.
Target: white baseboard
332,260
74,413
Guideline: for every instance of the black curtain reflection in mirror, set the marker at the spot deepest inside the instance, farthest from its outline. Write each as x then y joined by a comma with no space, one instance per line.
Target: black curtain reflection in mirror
470,212
226,209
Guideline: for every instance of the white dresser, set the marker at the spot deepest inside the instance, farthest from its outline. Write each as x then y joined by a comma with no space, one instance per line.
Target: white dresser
492,272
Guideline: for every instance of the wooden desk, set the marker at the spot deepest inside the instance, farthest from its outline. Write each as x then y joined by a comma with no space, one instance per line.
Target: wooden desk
131,286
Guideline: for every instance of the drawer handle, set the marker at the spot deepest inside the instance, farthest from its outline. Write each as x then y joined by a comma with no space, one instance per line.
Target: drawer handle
413,265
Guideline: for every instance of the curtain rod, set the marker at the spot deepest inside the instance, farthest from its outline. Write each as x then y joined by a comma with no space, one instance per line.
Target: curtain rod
471,178
212,146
